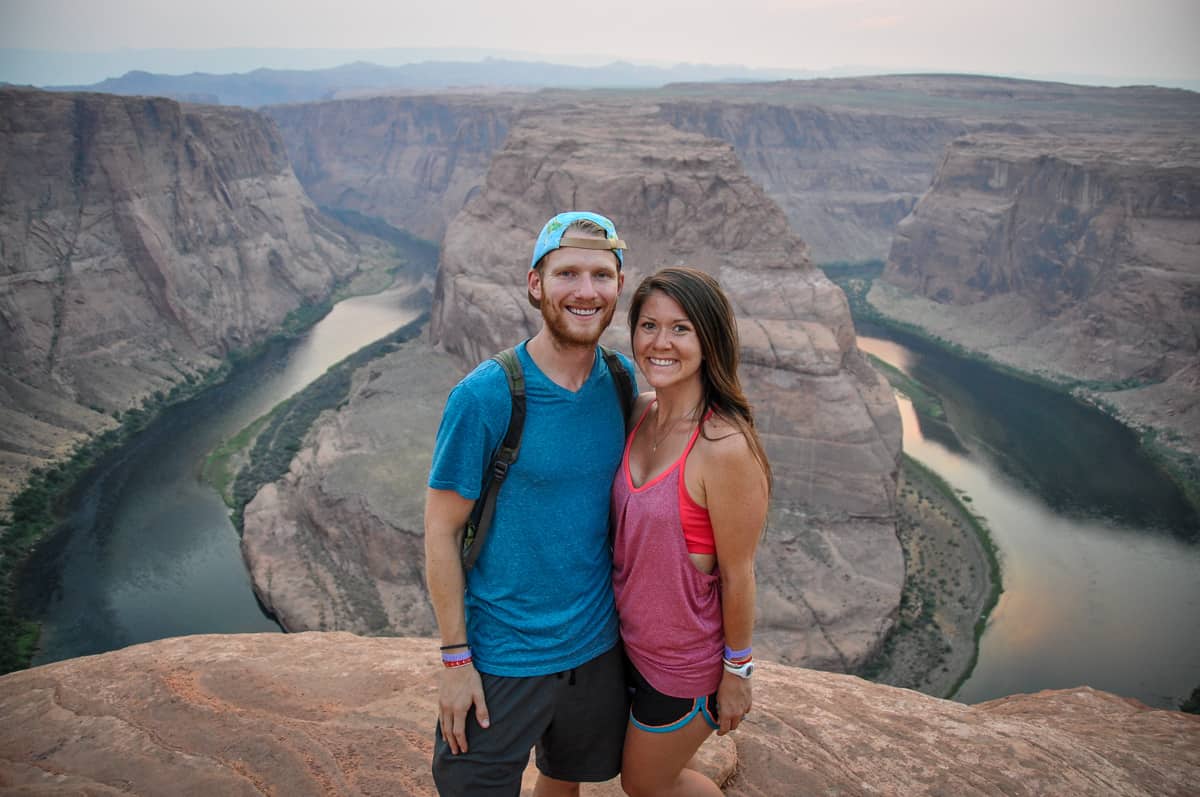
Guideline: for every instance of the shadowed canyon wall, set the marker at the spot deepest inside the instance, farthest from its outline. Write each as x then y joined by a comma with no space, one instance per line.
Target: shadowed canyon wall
410,161
1075,258
844,178
142,240
845,158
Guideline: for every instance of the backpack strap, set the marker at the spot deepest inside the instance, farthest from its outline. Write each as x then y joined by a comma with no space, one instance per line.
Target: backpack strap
480,520
621,381
624,386
485,506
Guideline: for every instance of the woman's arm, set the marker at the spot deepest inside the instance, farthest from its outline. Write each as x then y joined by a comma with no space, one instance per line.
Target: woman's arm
735,489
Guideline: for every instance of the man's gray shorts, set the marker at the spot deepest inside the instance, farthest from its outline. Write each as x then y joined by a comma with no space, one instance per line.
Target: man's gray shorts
575,718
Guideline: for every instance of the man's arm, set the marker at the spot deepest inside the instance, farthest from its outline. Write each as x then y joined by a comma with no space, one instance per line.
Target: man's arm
459,688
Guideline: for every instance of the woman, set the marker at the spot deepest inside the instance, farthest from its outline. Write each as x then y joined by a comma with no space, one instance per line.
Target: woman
689,504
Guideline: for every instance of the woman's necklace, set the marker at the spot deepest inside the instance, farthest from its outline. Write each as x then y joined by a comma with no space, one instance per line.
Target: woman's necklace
656,439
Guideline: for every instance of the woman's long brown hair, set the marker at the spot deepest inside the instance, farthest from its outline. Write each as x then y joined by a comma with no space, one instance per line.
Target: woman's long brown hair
706,306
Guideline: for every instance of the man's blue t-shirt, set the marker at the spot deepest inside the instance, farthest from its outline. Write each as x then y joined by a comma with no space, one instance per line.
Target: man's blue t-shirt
539,599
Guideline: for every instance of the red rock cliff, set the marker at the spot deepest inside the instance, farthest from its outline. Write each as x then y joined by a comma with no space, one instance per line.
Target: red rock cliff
320,714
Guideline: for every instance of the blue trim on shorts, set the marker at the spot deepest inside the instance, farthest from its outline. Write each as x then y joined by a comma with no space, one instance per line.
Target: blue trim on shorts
699,706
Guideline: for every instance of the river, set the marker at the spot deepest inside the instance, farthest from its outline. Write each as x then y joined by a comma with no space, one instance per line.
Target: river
1099,551
148,550
1100,558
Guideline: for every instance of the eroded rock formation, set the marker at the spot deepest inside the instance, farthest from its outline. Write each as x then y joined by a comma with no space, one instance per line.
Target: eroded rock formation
848,158
318,714
1077,258
829,565
845,158
410,161
844,177
142,240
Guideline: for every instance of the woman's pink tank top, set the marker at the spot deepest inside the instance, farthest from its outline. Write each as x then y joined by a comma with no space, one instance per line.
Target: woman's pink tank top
670,611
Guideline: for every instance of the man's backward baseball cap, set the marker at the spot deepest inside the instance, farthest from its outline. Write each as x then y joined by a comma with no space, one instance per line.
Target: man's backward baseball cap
551,237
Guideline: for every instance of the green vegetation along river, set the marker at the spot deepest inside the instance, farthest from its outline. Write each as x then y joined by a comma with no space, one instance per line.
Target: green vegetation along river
148,550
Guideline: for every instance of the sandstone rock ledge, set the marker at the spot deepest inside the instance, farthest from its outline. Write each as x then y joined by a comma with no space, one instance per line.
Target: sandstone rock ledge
332,713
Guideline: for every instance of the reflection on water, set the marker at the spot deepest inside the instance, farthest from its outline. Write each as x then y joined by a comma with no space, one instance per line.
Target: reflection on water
1100,563
148,550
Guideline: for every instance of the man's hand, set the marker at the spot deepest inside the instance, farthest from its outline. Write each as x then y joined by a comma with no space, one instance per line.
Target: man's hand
458,689
733,702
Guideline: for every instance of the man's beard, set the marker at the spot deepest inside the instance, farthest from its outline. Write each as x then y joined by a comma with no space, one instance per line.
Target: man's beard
558,324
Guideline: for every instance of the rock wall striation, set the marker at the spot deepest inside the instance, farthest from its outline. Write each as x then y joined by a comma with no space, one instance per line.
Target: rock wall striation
140,241
317,714
844,177
411,161
1077,258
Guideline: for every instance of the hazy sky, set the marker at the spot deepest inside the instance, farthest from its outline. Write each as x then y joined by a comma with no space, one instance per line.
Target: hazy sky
1017,37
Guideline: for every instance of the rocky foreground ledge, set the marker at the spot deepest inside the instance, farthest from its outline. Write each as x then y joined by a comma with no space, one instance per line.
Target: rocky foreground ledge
333,713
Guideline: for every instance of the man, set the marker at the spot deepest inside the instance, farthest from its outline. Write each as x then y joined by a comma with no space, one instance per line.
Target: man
531,649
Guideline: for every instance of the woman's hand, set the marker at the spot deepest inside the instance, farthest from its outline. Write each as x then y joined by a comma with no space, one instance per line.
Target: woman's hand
733,702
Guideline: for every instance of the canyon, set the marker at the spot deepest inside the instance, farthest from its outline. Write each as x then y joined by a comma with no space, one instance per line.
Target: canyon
831,569
847,159
850,159
411,161
1050,227
332,713
1074,258
142,242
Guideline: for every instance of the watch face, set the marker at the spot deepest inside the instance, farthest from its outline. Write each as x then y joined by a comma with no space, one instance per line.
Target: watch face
749,670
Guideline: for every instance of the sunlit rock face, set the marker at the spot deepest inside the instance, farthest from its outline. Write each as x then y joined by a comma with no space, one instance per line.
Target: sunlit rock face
318,714
1075,257
411,161
830,568
142,240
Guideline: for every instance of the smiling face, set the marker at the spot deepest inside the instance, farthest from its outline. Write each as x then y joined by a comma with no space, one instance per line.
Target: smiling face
665,344
577,290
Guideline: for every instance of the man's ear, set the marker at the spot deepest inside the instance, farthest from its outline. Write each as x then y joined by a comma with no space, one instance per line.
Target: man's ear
620,282
533,283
